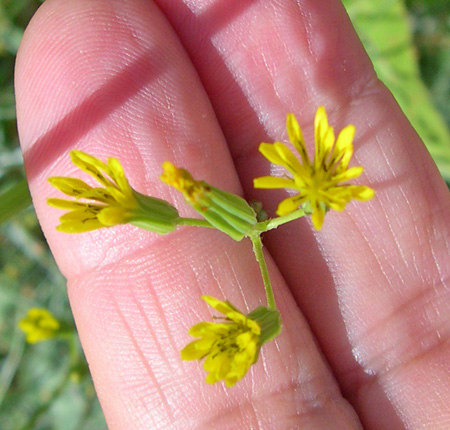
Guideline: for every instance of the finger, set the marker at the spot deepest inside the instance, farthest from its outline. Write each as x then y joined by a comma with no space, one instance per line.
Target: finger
373,282
111,78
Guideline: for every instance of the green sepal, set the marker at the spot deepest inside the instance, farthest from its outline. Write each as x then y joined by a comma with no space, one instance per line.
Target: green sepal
227,212
154,214
269,321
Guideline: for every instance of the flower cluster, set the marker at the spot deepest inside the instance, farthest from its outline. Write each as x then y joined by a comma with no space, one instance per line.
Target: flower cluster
230,346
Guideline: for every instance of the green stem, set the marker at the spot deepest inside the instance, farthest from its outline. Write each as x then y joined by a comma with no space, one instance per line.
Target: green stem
194,222
257,249
276,222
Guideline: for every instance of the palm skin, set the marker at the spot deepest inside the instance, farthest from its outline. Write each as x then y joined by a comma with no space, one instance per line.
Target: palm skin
201,83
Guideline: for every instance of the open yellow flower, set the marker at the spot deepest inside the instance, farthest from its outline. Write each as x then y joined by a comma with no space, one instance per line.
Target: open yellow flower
114,202
230,347
39,325
321,182
233,345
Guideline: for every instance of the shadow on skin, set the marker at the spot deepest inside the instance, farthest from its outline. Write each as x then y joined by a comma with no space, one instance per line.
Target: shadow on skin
88,114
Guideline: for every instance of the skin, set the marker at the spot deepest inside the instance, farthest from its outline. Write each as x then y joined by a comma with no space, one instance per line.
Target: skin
365,340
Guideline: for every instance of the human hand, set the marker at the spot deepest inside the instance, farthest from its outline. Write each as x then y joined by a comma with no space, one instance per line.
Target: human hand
363,301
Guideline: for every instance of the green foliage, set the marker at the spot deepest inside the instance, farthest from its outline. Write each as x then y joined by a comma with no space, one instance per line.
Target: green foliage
384,28
47,385
14,200
431,25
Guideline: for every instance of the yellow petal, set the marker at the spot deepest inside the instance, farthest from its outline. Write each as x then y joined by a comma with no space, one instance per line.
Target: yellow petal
348,174
336,204
81,214
318,217
196,349
325,148
66,204
361,192
113,216
343,149
70,186
289,205
118,175
271,182
91,165
269,151
97,194
296,137
80,226
223,307
290,161
123,199
208,329
320,125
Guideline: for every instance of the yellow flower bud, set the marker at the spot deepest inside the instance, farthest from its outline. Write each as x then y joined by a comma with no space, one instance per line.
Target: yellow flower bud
225,211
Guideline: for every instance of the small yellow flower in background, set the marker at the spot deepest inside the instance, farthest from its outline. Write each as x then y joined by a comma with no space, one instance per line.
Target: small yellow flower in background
233,345
320,182
114,202
225,211
39,325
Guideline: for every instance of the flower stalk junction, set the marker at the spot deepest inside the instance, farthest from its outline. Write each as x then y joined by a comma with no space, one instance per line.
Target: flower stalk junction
231,344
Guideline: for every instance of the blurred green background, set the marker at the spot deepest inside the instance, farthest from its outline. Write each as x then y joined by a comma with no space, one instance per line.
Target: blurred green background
47,385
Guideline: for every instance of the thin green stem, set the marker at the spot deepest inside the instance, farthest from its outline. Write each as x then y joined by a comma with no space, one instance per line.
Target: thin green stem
194,222
257,249
276,222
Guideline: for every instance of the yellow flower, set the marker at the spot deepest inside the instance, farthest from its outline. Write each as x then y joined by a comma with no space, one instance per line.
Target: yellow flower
230,347
225,211
39,325
320,182
114,202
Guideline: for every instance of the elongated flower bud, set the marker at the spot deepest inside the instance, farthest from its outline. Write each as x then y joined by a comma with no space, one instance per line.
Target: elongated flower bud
225,211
